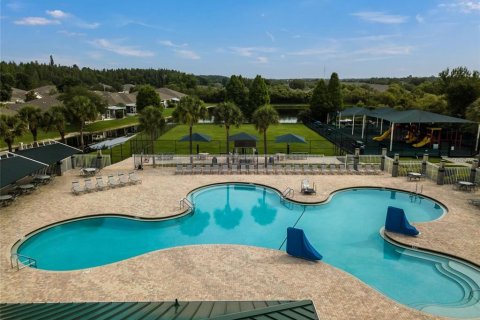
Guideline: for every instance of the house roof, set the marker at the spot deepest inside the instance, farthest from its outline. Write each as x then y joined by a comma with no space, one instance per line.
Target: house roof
191,310
45,103
14,167
115,98
169,94
49,153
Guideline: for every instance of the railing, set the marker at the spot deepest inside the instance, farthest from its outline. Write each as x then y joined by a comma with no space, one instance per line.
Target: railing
90,161
20,261
185,202
288,191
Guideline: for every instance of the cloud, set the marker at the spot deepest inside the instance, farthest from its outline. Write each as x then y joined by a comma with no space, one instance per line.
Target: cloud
187,54
121,50
261,60
419,18
71,34
380,17
313,52
36,21
251,51
390,50
272,38
86,25
463,6
168,43
57,14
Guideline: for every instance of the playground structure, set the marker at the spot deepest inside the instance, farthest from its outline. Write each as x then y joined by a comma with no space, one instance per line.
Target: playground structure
430,138
383,136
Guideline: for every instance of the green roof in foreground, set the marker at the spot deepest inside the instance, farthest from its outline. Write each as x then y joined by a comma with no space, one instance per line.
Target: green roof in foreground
191,310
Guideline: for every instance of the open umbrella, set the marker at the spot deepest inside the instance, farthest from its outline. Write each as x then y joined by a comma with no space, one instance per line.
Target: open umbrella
290,138
198,137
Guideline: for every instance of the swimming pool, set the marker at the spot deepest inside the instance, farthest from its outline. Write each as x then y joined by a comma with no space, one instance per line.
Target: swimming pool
345,230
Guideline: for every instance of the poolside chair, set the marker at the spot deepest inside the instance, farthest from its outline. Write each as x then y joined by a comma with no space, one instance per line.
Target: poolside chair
361,168
89,186
315,169
224,169
261,169
475,202
197,169
179,169
306,189
113,181
297,169
332,168
101,185
123,178
288,169
279,169
134,178
376,169
77,188
243,169
234,168
207,169
306,169
323,168
215,169
188,169
342,169
368,169
269,169
351,169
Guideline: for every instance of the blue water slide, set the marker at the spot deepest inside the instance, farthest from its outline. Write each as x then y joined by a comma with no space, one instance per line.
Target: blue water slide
299,246
396,221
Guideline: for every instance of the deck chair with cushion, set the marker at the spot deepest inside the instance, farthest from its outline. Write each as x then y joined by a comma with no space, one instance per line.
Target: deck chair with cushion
306,169
123,178
197,169
215,169
243,169
279,169
269,169
188,169
306,189
234,168
77,188
101,185
297,169
207,169
179,169
113,181
134,178
89,185
224,169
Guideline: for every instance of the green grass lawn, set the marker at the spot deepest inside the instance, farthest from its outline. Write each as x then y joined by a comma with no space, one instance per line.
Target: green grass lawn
315,143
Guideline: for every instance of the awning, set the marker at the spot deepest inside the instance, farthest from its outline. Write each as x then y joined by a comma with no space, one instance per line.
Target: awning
242,136
109,144
290,138
420,116
14,167
198,137
49,153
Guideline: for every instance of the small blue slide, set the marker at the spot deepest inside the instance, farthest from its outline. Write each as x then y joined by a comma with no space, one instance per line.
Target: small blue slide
397,222
299,246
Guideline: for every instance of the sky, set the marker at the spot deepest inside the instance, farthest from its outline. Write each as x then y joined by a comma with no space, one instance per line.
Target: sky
273,38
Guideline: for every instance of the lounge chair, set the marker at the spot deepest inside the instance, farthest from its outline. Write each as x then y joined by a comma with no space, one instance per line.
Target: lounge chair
89,186
234,168
134,178
77,188
188,169
297,169
215,169
288,169
123,178
179,169
269,169
101,185
279,169
224,169
361,168
243,169
261,169
113,181
342,169
376,169
369,169
351,169
197,169
207,169
315,169
306,189
323,168
306,169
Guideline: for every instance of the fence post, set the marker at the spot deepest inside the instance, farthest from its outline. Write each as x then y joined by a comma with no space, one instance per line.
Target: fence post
424,164
441,173
395,165
382,161
473,171
356,159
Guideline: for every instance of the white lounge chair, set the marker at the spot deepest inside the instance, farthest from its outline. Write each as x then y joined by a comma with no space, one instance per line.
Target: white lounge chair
197,169
323,168
188,169
288,169
269,169
306,189
234,168
315,169
261,169
89,186
207,169
333,168
215,169
179,169
306,169
123,178
224,169
243,169
101,185
134,178
77,188
113,181
297,169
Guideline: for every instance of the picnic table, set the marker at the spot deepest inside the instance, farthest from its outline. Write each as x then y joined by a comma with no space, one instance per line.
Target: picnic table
89,171
26,188
43,178
414,176
5,199
466,185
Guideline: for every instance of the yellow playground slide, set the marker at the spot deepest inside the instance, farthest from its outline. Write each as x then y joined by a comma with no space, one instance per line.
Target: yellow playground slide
424,141
383,136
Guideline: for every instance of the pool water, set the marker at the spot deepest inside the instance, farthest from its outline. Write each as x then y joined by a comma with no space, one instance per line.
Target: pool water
345,230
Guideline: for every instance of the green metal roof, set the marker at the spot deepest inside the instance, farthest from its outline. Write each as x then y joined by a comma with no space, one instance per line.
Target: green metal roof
192,310
49,153
14,168
420,116
242,136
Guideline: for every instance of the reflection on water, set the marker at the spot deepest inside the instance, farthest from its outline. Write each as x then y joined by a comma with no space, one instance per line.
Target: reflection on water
228,218
262,213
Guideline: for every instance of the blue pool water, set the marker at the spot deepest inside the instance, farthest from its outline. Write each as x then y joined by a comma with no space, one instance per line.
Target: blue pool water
344,230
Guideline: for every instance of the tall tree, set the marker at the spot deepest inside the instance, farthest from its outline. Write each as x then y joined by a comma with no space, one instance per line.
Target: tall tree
55,118
33,117
11,127
71,92
461,87
6,83
258,96
189,111
81,109
229,115
237,92
335,93
319,103
263,117
147,96
152,122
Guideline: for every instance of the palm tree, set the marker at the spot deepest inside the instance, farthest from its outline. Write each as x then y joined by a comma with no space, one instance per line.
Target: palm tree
152,121
81,109
263,117
189,111
55,118
10,128
33,117
228,114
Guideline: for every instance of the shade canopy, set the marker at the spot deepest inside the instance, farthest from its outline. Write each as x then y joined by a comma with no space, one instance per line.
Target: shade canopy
14,167
354,111
290,138
242,136
420,116
109,144
49,153
198,137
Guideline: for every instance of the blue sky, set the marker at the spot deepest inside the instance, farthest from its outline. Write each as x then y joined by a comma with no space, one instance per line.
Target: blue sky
276,39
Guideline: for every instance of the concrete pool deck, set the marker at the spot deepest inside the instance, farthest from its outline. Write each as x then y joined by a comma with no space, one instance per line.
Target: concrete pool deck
217,272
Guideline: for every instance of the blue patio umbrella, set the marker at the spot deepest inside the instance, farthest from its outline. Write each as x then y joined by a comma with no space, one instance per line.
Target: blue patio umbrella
290,138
